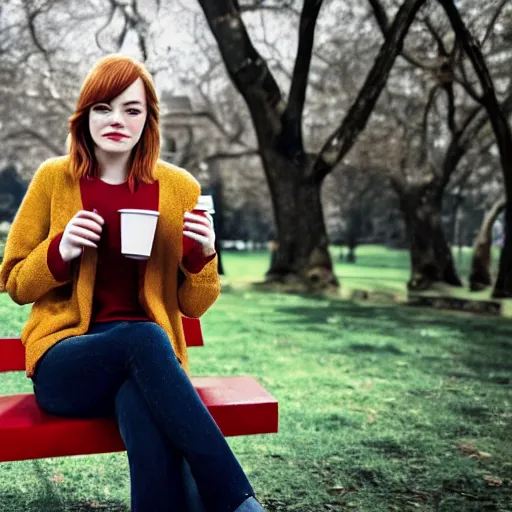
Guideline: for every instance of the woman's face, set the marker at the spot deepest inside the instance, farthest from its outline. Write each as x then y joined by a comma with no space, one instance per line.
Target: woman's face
116,127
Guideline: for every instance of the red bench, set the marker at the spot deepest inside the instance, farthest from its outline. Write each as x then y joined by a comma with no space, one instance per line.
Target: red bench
239,405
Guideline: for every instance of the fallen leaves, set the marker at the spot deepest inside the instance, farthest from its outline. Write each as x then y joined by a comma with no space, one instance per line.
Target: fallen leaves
57,479
493,481
471,451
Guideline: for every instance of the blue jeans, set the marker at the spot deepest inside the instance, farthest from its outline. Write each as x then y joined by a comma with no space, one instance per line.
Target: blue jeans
129,369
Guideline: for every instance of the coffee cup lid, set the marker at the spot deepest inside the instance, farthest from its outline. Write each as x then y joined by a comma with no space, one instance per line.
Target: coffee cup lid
205,203
139,211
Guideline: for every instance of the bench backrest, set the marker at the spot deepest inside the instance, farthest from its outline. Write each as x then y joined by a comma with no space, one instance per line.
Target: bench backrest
12,351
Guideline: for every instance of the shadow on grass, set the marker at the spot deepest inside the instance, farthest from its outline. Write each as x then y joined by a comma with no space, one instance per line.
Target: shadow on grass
47,504
485,349
48,499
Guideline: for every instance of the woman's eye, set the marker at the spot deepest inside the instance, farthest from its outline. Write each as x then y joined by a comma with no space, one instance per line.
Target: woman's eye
133,111
100,108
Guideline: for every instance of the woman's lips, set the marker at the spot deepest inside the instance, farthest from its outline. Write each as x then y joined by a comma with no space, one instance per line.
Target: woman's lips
116,138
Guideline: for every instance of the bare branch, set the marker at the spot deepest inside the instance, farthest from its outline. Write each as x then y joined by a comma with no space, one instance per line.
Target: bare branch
221,155
113,8
292,116
260,6
247,69
498,119
383,22
141,28
441,49
465,82
29,132
169,120
422,156
475,122
31,18
343,138
492,21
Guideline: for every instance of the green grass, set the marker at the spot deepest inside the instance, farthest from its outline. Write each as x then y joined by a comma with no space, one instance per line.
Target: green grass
377,269
382,407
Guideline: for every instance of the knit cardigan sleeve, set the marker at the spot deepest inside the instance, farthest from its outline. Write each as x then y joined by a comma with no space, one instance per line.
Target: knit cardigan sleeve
24,272
197,291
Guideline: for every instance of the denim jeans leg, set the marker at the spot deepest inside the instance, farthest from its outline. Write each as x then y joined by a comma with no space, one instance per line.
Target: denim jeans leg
156,467
81,376
194,501
181,414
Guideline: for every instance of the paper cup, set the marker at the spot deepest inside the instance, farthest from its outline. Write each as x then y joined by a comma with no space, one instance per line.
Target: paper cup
137,232
204,208
205,204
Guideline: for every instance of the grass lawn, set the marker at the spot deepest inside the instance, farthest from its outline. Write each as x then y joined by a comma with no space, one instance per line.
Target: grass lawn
377,269
382,407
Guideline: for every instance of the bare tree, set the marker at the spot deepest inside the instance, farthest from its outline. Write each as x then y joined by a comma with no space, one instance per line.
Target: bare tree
294,175
421,192
502,132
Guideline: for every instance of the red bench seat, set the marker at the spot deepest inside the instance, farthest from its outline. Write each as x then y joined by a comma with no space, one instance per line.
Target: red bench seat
239,405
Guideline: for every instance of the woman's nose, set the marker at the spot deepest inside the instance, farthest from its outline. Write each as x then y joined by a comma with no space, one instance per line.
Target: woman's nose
117,119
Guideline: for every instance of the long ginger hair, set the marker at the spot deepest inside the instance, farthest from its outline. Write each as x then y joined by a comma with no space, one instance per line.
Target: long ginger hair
109,77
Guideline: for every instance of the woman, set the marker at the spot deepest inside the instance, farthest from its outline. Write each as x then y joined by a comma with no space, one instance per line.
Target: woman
104,335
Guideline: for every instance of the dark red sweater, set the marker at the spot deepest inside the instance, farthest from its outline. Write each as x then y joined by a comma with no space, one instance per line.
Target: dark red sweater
118,278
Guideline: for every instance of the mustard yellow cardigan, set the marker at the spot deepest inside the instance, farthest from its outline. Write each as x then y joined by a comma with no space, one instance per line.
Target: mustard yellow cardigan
63,309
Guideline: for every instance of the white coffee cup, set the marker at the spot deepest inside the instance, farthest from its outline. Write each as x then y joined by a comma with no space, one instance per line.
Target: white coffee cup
205,204
137,232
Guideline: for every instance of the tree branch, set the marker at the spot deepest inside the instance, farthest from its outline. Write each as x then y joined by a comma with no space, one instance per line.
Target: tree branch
230,156
28,132
499,121
246,68
383,23
422,156
493,21
113,8
441,49
343,138
292,116
31,18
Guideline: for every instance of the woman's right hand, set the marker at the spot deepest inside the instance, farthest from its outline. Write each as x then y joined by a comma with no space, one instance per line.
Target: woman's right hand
84,229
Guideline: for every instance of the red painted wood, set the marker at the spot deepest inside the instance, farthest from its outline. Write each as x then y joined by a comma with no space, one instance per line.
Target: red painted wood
239,405
12,351
12,355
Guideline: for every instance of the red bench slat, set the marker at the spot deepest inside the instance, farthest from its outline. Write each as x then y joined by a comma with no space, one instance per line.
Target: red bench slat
12,351
239,405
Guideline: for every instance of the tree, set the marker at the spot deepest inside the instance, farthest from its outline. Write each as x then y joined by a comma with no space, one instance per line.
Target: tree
502,132
294,175
480,276
422,176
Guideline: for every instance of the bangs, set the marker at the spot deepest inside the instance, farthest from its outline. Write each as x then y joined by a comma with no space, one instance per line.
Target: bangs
107,80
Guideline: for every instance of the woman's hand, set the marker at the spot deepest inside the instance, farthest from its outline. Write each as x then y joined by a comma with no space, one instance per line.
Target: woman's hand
200,229
84,229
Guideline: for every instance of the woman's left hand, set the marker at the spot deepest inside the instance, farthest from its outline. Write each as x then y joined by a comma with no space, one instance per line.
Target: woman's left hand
200,229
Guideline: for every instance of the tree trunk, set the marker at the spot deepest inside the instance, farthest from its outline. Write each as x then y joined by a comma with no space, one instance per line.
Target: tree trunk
502,132
503,284
480,277
431,257
301,259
